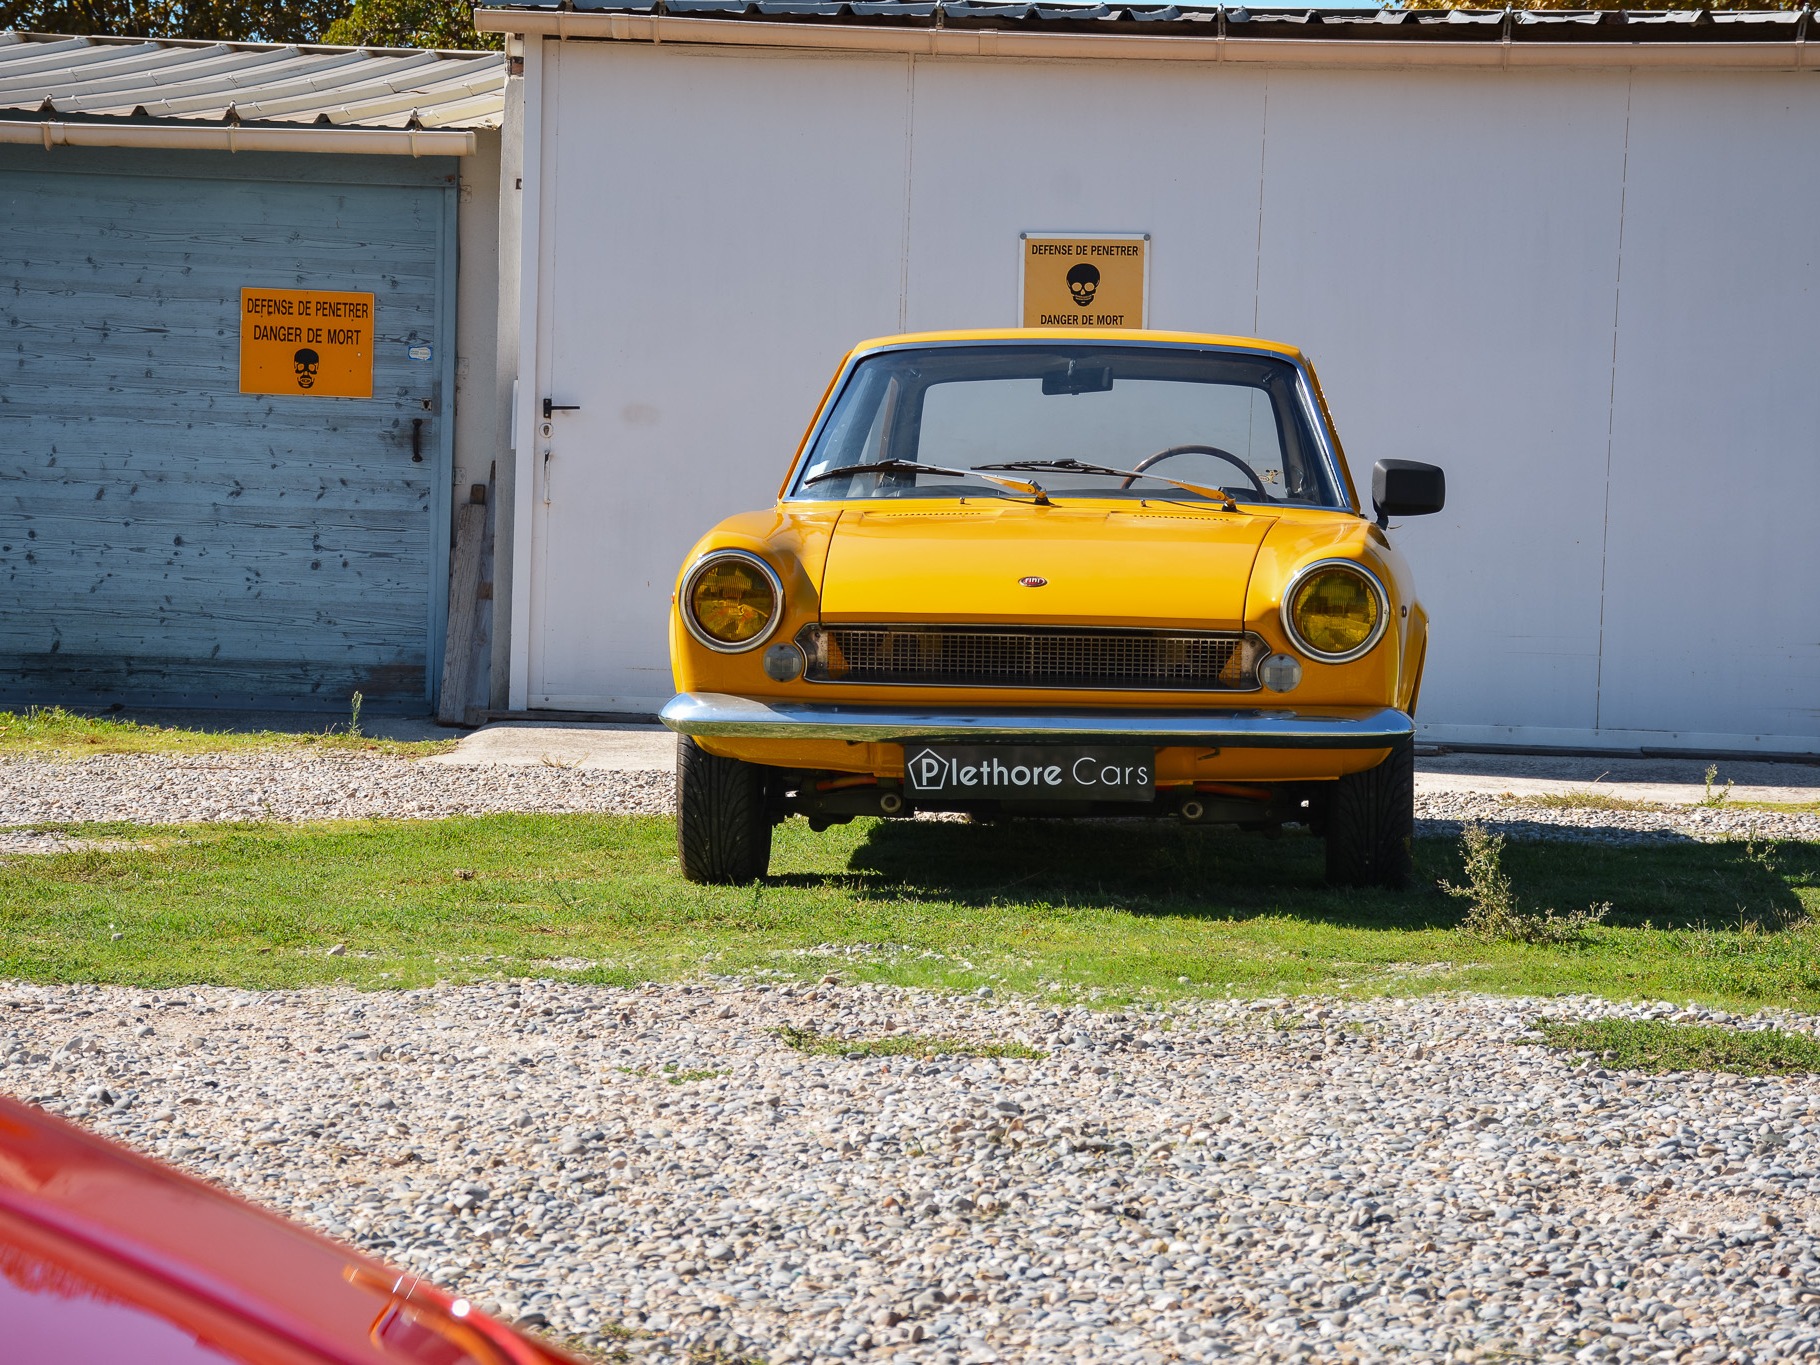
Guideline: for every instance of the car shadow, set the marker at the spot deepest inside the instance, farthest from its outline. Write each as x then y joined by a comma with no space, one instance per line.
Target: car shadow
1157,869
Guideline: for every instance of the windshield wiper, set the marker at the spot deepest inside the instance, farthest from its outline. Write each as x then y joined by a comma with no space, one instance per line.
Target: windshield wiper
1072,466
1033,490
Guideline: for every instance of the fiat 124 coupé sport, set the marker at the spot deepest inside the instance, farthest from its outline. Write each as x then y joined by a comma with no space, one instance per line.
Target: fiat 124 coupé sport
1020,573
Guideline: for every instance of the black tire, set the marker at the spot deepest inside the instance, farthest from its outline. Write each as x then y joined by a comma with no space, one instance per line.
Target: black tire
1371,818
723,830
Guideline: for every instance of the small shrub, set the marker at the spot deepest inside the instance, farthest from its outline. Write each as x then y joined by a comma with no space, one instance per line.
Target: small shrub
1493,912
1715,796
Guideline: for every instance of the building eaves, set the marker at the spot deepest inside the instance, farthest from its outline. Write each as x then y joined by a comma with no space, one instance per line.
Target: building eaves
48,77
1236,23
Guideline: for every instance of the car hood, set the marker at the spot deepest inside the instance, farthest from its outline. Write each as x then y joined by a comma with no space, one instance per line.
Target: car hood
206,1262
1154,564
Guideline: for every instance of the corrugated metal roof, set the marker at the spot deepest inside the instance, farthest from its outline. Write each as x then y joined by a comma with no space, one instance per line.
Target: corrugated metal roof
1583,26
160,80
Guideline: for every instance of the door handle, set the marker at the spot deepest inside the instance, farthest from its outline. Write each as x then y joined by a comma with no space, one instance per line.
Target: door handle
417,440
550,406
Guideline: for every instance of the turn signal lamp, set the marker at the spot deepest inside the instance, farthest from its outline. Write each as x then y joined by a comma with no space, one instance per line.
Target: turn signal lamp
1280,673
784,663
1336,610
731,601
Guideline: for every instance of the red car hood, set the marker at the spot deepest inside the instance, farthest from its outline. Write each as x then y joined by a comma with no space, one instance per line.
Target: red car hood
76,1210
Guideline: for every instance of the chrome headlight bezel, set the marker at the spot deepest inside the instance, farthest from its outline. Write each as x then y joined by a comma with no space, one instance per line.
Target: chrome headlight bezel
1286,610
685,599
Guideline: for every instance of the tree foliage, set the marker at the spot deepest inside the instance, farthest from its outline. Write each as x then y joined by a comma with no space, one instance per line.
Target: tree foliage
371,23
410,23
276,21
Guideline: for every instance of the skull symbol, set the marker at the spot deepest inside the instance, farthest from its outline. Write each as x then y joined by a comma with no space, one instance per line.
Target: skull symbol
305,362
1083,283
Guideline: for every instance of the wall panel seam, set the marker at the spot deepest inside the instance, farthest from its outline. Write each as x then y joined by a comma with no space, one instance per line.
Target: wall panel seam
1611,413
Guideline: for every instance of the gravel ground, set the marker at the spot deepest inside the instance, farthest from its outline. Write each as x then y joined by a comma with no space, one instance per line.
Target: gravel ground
1337,1181
163,789
1445,813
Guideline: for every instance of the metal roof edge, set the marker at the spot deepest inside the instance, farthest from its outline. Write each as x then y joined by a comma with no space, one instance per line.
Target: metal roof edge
238,137
124,40
1440,44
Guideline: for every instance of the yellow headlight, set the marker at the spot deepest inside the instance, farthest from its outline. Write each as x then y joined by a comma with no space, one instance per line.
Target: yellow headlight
1335,611
732,600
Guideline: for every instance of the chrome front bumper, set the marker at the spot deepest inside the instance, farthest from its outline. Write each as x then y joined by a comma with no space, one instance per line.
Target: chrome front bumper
1324,727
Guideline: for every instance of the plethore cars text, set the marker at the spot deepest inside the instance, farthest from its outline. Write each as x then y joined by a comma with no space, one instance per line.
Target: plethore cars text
1031,574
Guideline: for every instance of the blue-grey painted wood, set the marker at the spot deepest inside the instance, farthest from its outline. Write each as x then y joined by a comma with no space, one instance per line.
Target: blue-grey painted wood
165,538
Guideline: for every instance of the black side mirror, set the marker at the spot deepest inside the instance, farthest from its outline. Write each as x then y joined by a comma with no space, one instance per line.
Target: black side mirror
1406,488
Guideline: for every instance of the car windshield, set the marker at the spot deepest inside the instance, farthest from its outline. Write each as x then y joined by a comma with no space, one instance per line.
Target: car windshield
1221,420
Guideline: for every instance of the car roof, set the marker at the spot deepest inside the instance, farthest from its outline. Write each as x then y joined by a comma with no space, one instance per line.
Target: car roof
143,1224
1129,336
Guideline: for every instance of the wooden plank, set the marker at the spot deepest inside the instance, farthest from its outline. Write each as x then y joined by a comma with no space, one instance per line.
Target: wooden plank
464,614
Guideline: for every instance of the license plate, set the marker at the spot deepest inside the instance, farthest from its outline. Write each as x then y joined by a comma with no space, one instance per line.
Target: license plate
1031,772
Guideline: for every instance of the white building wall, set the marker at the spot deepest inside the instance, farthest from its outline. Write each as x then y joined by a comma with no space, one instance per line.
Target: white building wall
1584,293
1712,606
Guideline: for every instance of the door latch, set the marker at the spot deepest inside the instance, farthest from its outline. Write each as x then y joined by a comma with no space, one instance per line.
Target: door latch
550,406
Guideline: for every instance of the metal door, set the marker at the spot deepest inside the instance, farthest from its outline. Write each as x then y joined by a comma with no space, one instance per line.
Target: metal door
694,347
165,538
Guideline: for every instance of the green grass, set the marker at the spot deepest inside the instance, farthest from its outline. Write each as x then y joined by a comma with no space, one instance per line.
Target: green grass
674,1074
1600,801
1586,801
1652,1045
899,1045
52,732
1110,911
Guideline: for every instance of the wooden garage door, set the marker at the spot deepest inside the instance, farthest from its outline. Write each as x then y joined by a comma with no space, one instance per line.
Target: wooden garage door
164,538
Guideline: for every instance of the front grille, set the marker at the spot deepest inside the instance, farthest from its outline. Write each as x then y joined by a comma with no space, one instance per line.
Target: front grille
1032,656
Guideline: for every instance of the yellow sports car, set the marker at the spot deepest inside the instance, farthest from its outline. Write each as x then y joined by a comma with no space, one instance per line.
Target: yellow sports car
1023,573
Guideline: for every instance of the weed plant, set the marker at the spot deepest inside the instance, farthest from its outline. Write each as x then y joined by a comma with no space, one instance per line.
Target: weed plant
1493,912
1715,795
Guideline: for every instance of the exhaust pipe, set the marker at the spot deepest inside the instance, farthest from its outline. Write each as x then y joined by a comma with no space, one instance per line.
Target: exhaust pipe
890,803
1191,810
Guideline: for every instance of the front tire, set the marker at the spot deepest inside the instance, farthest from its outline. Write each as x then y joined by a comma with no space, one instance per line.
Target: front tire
723,830
1371,819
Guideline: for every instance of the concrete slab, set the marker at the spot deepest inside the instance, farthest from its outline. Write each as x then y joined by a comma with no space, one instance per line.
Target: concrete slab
1667,781
612,748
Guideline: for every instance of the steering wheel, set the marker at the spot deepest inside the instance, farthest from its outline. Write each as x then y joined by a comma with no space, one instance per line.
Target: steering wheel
1169,454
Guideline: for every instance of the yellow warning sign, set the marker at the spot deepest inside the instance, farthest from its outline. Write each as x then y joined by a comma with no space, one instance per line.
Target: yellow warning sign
1075,280
306,342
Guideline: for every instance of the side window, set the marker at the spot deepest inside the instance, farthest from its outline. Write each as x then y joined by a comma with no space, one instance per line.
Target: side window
857,432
